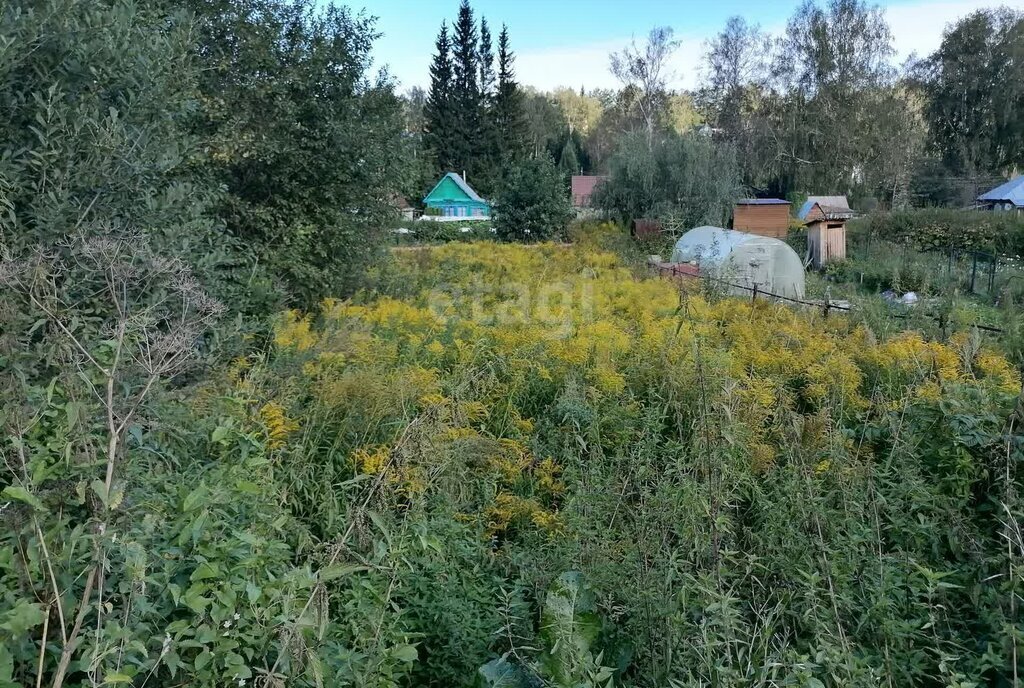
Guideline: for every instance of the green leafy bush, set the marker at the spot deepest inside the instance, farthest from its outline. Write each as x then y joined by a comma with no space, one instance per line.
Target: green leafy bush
97,99
936,228
532,203
301,136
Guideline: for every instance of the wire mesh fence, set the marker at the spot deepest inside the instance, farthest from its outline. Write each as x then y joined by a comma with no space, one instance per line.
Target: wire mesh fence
682,273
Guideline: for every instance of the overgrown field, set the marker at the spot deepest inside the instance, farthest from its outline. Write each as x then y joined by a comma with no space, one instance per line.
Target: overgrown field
527,466
756,495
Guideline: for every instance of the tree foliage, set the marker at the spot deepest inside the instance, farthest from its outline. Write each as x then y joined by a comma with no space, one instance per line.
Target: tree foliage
687,176
975,93
301,136
644,70
97,99
508,105
532,204
475,115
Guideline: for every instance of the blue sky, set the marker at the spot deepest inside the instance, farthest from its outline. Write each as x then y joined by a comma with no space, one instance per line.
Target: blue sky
567,43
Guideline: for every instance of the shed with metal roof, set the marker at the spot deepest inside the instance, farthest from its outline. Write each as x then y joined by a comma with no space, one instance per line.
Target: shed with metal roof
817,208
1008,196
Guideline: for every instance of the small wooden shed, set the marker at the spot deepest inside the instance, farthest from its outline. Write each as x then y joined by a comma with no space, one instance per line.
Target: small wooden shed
825,217
768,217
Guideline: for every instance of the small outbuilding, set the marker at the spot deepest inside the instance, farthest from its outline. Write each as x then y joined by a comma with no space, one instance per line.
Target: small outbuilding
744,260
762,216
402,206
825,217
1005,197
583,186
453,197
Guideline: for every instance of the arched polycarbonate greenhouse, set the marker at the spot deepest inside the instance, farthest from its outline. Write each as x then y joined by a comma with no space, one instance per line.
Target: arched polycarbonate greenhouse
743,259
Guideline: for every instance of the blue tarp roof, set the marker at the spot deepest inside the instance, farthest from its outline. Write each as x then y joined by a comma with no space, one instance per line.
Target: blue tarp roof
1012,191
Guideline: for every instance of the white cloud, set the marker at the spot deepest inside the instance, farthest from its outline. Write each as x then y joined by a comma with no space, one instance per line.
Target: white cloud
916,26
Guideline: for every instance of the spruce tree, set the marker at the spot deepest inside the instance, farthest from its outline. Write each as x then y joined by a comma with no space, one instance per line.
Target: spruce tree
488,158
486,58
466,92
438,111
568,161
509,117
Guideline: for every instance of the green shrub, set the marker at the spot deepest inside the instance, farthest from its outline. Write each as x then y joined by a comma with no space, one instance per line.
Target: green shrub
687,178
937,228
95,140
302,137
532,204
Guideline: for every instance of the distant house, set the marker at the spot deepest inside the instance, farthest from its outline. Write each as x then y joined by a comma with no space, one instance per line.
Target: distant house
825,217
762,216
402,205
583,186
455,198
1008,196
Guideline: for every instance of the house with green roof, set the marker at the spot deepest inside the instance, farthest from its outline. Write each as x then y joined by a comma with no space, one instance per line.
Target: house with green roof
455,198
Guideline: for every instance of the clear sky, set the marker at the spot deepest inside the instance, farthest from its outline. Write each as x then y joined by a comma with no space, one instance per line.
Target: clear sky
567,43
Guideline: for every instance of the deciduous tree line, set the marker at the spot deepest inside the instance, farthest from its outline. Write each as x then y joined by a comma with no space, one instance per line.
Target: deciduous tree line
821,108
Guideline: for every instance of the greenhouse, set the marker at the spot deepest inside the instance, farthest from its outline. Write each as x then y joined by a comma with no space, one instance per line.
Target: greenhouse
744,260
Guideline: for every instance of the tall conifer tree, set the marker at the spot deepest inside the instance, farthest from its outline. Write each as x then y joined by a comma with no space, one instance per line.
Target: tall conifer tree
438,112
510,121
466,91
488,157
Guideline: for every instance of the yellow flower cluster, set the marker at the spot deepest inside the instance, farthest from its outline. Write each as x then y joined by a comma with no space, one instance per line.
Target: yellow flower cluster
492,328
293,331
276,424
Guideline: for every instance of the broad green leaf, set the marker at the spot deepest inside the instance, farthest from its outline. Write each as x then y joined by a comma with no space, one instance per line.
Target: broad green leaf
194,498
6,666
569,624
204,571
204,658
220,433
404,653
100,489
73,410
18,493
117,678
500,673
378,521
22,618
